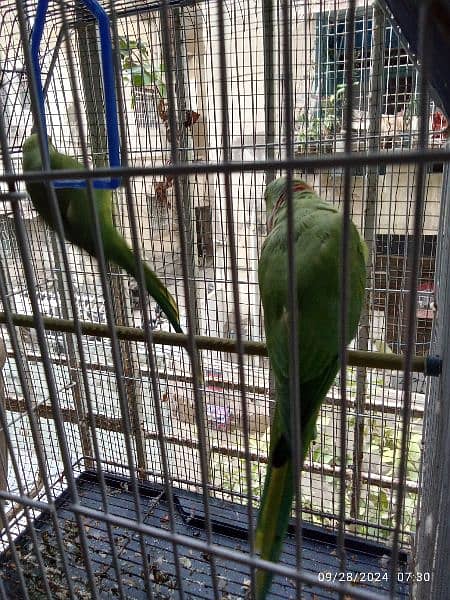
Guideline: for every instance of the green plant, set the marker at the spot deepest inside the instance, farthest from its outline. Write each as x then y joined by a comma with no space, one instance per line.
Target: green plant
139,69
324,122
382,438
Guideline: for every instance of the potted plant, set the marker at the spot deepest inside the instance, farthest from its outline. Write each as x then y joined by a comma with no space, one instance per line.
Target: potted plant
320,129
138,69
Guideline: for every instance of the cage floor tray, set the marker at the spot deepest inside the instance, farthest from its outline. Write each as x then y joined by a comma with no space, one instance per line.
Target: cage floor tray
230,529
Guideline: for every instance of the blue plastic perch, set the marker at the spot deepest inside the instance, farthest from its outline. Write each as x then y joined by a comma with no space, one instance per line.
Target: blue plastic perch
112,125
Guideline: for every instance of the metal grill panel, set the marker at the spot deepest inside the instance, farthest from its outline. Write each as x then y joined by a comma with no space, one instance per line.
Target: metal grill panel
214,99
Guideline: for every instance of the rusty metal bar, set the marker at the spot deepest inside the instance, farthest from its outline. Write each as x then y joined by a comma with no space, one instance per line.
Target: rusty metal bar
430,365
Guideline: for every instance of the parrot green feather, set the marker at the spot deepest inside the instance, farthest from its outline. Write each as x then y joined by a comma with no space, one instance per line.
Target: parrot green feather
79,226
317,235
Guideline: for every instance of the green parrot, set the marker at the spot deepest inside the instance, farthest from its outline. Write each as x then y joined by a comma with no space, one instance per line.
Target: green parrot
79,226
317,235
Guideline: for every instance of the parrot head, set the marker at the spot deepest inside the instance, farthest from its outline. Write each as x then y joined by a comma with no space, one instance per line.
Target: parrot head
32,152
276,195
31,144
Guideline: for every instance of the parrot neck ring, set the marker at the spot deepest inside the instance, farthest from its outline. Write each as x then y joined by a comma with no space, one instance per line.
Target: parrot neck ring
298,186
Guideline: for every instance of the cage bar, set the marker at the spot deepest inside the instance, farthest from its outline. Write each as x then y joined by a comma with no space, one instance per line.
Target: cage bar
135,455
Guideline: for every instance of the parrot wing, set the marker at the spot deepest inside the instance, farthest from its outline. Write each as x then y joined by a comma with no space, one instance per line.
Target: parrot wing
317,255
38,190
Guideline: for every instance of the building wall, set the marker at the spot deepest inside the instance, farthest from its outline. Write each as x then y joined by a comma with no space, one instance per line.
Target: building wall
148,144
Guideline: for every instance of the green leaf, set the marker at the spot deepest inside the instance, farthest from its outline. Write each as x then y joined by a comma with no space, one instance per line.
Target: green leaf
384,501
123,43
316,455
388,455
328,459
128,62
162,90
137,80
149,75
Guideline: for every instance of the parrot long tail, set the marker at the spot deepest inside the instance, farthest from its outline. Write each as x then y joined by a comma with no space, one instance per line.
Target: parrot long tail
276,500
273,520
278,494
118,252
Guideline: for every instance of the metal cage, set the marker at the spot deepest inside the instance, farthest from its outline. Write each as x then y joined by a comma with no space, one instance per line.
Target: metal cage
132,458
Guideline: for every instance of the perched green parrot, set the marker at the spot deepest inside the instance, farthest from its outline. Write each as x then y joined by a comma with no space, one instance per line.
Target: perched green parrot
317,235
79,226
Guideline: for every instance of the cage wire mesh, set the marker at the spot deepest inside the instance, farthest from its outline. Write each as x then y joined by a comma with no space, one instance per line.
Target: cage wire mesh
110,441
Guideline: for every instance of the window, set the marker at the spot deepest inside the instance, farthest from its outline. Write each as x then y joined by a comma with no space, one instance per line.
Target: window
144,108
203,227
398,84
391,281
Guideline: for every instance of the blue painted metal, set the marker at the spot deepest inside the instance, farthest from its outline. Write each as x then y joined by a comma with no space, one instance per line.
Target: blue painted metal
112,125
